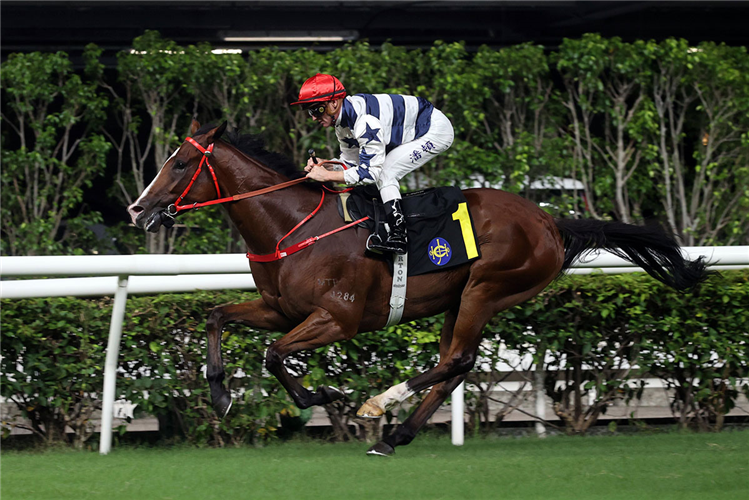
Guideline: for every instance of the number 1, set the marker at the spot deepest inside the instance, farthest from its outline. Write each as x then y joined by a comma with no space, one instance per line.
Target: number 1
461,215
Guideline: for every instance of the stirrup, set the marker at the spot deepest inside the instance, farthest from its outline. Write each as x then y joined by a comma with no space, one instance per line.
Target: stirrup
377,245
373,243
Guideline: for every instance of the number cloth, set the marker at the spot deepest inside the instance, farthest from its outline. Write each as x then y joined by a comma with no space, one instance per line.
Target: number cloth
441,234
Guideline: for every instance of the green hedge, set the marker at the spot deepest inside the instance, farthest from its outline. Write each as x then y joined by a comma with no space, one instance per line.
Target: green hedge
600,332
650,129
53,357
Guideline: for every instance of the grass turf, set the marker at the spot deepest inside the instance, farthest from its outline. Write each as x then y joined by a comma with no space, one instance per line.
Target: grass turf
678,466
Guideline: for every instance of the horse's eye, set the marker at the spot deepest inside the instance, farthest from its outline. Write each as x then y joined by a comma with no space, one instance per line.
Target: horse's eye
179,164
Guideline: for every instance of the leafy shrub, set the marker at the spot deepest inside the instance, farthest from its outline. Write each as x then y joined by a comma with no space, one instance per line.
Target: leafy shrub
52,363
595,334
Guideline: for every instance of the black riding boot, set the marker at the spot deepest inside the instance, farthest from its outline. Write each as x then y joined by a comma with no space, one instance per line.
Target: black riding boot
397,240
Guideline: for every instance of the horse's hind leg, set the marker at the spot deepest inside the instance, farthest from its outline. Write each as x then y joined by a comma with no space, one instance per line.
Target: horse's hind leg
405,432
376,406
255,314
478,305
456,358
476,310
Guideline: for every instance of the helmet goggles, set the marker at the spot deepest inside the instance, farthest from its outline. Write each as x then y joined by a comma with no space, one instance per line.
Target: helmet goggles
316,109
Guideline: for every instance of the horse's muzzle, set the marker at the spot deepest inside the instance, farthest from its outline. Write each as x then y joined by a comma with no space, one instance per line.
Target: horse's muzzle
137,213
151,223
158,219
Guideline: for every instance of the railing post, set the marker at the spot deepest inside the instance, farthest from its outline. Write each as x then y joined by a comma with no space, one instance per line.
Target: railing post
538,386
458,410
110,366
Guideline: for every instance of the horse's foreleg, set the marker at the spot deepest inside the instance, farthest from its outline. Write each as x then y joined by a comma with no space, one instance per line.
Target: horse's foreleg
255,314
319,329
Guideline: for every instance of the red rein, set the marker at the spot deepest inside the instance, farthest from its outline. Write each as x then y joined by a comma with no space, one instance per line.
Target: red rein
175,208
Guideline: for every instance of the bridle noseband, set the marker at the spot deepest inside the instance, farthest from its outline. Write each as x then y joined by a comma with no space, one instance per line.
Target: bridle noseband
175,207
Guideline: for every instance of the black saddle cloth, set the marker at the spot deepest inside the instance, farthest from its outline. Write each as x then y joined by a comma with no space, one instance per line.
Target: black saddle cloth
438,235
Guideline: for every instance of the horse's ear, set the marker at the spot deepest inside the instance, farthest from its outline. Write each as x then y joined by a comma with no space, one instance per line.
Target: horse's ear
219,131
194,126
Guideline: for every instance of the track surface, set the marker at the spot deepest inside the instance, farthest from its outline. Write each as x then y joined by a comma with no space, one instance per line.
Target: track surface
678,466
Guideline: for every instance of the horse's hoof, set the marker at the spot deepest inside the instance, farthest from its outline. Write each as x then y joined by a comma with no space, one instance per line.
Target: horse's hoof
381,449
223,405
370,410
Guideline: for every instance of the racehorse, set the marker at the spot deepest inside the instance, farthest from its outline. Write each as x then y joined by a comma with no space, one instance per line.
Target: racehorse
330,289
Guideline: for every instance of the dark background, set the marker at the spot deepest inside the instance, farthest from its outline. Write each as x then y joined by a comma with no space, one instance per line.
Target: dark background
70,25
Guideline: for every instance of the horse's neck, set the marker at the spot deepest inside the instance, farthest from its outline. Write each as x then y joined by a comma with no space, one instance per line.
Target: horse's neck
263,220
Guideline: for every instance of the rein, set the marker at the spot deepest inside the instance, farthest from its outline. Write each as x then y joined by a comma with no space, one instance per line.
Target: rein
280,254
173,209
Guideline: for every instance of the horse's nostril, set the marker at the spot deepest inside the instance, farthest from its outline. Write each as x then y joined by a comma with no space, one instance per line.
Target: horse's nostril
135,212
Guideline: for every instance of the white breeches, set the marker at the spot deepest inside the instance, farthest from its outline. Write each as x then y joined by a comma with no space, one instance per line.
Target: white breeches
409,156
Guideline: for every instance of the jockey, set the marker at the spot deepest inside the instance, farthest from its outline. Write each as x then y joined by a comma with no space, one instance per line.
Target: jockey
383,137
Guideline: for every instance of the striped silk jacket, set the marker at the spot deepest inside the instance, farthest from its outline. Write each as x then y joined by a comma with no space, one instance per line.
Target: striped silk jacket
371,125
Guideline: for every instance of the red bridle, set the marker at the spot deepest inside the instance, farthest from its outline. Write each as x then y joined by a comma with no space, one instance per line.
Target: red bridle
175,208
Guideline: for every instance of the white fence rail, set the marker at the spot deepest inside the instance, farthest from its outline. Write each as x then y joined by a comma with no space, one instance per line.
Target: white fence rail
107,285
134,274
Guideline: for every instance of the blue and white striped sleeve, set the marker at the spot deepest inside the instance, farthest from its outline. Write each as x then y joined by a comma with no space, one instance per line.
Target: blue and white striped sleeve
368,133
349,147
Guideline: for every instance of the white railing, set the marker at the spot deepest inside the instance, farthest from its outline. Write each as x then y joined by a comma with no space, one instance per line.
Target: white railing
135,274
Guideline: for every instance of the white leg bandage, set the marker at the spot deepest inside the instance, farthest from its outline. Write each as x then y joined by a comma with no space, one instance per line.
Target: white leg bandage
394,395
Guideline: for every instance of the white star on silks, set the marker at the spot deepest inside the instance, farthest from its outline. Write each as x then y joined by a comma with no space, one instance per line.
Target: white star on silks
351,142
365,158
371,134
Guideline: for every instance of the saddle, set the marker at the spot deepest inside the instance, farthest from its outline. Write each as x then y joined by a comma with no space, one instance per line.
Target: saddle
440,228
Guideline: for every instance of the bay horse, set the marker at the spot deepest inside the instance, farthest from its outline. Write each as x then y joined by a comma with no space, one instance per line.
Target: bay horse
332,290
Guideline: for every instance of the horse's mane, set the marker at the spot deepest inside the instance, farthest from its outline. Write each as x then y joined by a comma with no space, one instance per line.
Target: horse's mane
254,146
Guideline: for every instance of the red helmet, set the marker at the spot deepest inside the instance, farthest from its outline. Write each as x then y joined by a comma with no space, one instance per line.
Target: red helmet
320,88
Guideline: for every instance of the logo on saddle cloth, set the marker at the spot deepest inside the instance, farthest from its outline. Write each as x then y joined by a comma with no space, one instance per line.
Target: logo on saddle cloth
439,251
440,229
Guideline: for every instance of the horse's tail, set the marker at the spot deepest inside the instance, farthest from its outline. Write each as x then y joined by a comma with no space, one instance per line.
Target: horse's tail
646,246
